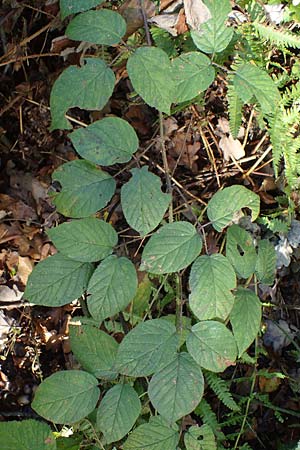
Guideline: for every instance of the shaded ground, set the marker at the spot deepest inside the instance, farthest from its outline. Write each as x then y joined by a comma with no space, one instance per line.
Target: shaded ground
36,344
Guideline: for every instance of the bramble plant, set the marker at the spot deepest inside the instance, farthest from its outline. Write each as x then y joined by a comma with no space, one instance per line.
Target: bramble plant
133,394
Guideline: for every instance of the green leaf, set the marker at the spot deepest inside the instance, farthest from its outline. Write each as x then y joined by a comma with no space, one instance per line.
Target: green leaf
102,27
26,435
214,36
155,435
106,142
57,280
219,8
94,349
265,268
192,441
85,189
85,240
193,74
151,75
172,248
88,87
147,348
69,443
112,286
211,280
176,390
240,251
68,7
246,310
212,345
67,396
118,412
143,203
251,81
226,203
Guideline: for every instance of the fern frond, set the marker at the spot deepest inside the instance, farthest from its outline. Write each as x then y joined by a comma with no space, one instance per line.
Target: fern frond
245,447
209,418
235,105
279,37
220,388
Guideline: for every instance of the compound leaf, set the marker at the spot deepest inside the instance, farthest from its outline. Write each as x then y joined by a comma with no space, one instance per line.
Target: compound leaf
147,348
176,390
155,435
172,248
246,310
240,251
111,287
106,142
211,280
57,280
151,75
88,87
85,189
212,345
192,441
94,349
118,412
103,27
193,74
85,240
143,203
68,7
251,81
26,435
265,268
67,396
226,203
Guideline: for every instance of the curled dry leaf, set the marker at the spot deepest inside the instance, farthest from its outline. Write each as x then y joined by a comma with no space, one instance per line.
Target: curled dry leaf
196,13
231,148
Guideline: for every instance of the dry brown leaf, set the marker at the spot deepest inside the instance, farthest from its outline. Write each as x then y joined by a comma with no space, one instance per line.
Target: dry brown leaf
231,148
25,266
8,295
196,13
181,25
131,11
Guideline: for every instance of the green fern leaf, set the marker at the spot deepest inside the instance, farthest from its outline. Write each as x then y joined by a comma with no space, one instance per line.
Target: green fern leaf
209,418
221,390
235,111
280,38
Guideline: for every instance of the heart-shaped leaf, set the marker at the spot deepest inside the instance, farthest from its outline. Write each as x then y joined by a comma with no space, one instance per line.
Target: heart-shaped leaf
88,87
151,75
111,287
57,280
246,310
240,251
212,345
265,268
223,206
85,189
106,142
118,412
147,348
94,349
85,240
68,7
211,280
176,390
172,248
143,203
67,396
155,435
26,435
193,74
103,27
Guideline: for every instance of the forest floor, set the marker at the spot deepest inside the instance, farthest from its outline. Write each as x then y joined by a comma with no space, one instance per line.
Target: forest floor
33,339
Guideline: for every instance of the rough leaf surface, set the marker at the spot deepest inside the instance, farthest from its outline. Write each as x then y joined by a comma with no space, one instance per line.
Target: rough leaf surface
68,7
26,435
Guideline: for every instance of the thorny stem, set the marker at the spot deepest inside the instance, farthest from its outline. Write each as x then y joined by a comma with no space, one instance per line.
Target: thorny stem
148,37
165,163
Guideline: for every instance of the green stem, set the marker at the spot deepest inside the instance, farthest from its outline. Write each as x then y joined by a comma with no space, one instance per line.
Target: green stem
165,162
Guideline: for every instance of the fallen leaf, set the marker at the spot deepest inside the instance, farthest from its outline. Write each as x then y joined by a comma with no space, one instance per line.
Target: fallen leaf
8,295
25,266
196,13
132,13
231,148
166,22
